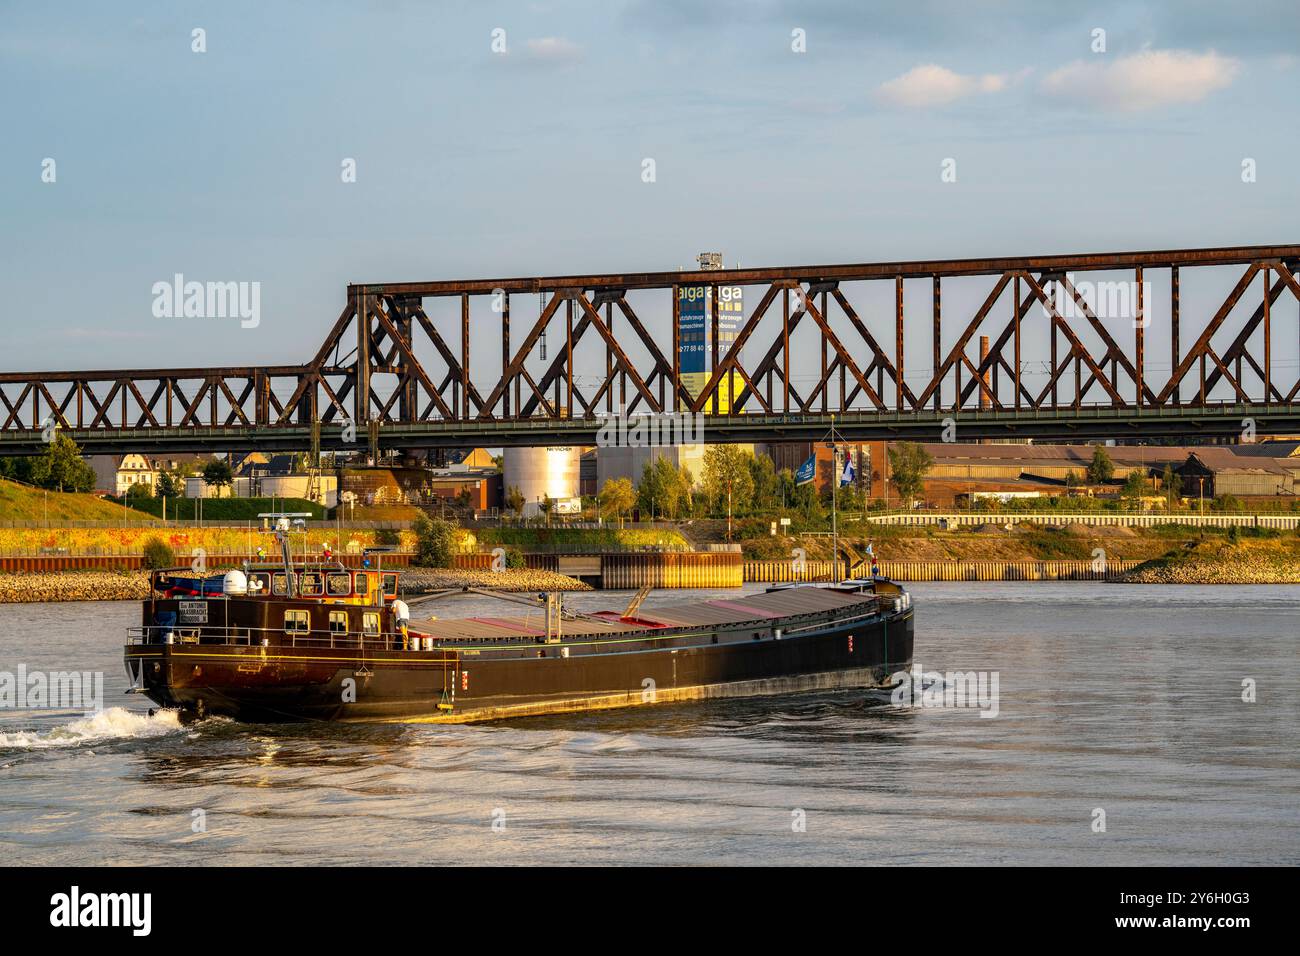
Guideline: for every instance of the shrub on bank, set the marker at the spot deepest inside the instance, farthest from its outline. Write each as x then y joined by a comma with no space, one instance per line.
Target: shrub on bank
156,554
433,542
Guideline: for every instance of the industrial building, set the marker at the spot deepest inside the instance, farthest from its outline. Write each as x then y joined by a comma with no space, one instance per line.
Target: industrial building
1266,469
546,473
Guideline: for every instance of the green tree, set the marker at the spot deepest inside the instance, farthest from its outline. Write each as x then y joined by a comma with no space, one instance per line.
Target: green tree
168,486
617,498
1101,469
909,463
1172,482
433,541
727,478
217,472
62,468
1071,480
139,490
664,490
767,485
17,467
515,501
1135,485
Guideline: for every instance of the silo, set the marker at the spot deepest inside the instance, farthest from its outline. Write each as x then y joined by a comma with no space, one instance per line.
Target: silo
552,471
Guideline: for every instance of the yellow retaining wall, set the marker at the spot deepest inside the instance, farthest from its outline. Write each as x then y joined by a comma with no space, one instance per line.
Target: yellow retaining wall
672,570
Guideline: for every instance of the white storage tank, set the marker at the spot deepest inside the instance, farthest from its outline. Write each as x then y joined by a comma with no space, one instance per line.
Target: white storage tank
551,471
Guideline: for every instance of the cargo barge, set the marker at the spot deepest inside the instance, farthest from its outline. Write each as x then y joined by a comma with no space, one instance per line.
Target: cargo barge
294,642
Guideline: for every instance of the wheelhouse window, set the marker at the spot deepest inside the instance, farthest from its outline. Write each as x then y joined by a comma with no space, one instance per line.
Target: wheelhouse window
363,583
296,622
259,582
390,585
338,622
338,583
370,623
279,584
311,584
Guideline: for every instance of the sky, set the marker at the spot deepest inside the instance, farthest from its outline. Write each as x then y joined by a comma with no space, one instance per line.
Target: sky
503,139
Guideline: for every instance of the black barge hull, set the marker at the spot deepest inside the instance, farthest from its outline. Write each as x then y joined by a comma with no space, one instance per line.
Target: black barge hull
466,684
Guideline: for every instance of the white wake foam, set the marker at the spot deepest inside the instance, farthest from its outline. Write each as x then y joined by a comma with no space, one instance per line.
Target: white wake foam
115,723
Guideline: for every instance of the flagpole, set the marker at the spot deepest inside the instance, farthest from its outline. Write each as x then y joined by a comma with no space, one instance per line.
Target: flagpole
835,481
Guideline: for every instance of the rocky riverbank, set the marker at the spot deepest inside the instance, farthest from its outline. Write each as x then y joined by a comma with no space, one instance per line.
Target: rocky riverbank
39,587
1253,570
1223,560
74,586
419,580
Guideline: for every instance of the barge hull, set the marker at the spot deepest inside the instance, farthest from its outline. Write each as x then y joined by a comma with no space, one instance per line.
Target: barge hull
282,684
858,678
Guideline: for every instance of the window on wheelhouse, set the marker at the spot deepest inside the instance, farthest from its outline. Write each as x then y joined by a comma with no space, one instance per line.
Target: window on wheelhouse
390,585
338,622
310,584
297,622
338,583
258,582
279,584
363,583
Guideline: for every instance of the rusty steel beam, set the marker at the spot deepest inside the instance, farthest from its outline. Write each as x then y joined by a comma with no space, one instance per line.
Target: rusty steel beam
1087,262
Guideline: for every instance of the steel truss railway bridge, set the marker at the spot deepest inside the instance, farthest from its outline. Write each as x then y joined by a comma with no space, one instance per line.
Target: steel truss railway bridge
365,384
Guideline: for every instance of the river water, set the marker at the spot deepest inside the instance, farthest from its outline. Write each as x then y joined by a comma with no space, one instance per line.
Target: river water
1112,698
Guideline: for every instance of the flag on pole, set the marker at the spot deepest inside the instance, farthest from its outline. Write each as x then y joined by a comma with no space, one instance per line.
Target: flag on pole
807,471
847,477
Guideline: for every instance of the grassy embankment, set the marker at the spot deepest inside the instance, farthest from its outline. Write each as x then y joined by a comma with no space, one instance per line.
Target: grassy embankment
24,503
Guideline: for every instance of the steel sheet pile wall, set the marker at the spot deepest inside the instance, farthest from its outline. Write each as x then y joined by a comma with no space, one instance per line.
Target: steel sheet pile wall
672,570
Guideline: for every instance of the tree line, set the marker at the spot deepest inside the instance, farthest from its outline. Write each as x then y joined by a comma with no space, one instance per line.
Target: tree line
734,482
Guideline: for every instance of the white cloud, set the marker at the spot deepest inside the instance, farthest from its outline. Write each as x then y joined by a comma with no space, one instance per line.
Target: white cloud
934,85
1144,80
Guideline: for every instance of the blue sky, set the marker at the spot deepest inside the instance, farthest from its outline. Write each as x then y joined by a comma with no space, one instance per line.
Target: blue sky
225,165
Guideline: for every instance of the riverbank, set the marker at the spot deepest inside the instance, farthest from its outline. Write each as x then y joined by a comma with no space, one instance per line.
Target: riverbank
1239,563
42,587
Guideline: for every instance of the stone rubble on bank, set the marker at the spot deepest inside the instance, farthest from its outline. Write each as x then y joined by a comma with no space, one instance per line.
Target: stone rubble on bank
417,580
39,586
43,586
1239,570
